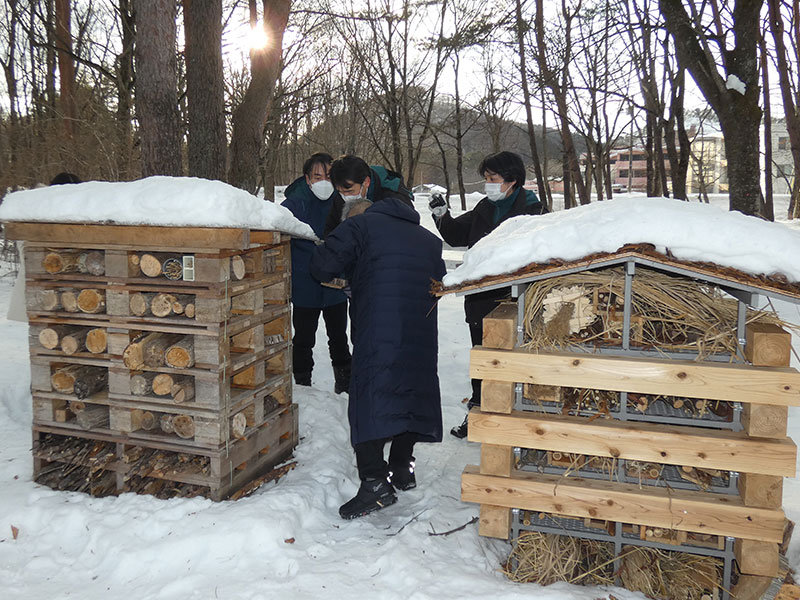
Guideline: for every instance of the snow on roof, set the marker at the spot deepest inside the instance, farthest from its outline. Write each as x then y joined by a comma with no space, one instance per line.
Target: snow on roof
690,231
161,201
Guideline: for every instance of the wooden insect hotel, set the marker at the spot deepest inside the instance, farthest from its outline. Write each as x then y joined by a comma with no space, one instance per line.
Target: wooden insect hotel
638,402
160,357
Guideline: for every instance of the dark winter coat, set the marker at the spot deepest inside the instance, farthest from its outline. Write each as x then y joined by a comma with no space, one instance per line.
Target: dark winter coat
382,183
306,291
467,229
389,260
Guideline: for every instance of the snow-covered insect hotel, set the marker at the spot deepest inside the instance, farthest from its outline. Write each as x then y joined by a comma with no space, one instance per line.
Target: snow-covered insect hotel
633,393
159,335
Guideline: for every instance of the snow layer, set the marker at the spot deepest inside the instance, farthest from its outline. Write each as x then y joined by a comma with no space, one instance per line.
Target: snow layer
164,201
689,230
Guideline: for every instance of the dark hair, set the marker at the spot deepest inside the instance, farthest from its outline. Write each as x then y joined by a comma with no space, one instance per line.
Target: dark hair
348,169
506,164
318,158
65,177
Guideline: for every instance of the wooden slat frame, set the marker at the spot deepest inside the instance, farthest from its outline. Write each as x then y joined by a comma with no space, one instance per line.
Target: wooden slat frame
140,236
711,381
669,444
700,512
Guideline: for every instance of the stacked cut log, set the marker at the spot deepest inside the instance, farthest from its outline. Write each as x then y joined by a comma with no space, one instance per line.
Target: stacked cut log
761,453
151,342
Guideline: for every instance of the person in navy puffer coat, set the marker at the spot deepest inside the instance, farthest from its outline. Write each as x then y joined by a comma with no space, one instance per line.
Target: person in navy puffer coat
310,198
390,262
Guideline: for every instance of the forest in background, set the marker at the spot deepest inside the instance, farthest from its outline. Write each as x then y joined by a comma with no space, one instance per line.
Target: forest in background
120,89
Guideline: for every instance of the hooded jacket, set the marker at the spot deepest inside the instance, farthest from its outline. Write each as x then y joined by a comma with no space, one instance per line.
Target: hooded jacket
389,260
306,291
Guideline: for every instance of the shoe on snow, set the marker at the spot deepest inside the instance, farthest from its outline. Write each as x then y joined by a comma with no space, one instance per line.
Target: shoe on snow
460,431
374,494
402,477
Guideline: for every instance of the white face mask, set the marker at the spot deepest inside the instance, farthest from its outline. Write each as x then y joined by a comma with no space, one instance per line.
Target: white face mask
493,191
322,189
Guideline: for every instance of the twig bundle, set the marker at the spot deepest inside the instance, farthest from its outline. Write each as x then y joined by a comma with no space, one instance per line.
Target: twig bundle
672,313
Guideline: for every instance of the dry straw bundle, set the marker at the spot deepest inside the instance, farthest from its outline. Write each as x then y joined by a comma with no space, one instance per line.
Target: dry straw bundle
546,558
670,312
670,575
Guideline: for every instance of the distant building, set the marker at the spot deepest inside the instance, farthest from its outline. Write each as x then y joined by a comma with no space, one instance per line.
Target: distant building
783,174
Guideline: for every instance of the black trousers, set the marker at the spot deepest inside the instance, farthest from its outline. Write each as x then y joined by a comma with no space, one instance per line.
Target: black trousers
305,321
476,336
369,455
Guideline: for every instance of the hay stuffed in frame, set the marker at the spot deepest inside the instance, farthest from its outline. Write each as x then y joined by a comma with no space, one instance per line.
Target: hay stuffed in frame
635,393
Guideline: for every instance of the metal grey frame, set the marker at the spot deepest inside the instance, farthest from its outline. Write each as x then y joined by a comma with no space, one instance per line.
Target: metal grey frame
746,295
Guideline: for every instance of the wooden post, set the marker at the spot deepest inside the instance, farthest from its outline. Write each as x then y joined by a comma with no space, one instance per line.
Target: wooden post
763,491
757,558
765,420
497,460
768,345
500,327
494,522
497,396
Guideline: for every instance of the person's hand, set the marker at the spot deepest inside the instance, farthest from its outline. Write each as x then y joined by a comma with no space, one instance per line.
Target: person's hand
437,205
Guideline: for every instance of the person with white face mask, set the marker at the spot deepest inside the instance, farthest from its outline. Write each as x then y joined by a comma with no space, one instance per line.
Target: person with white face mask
355,181
310,198
504,178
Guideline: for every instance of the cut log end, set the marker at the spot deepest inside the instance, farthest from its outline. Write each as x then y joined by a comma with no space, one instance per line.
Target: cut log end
183,426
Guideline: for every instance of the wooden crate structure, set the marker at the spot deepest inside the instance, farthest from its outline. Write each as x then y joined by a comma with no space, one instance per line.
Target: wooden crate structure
209,414
710,486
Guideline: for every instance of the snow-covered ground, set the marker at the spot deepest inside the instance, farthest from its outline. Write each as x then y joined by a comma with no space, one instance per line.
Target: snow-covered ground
287,539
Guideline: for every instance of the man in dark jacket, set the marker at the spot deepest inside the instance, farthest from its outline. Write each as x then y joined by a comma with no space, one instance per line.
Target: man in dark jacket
389,260
372,183
504,175
310,198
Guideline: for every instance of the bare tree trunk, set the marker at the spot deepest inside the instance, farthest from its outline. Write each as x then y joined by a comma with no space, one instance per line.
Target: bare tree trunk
768,209
124,88
156,87
558,90
462,192
249,118
526,95
739,114
66,67
205,88
790,107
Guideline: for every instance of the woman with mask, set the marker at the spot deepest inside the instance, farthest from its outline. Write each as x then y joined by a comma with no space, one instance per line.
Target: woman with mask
310,198
504,177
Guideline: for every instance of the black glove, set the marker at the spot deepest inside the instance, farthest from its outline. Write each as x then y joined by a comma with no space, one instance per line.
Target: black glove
437,205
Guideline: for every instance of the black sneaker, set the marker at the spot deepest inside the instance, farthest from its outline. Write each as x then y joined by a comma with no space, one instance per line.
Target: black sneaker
403,478
303,379
460,431
374,494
